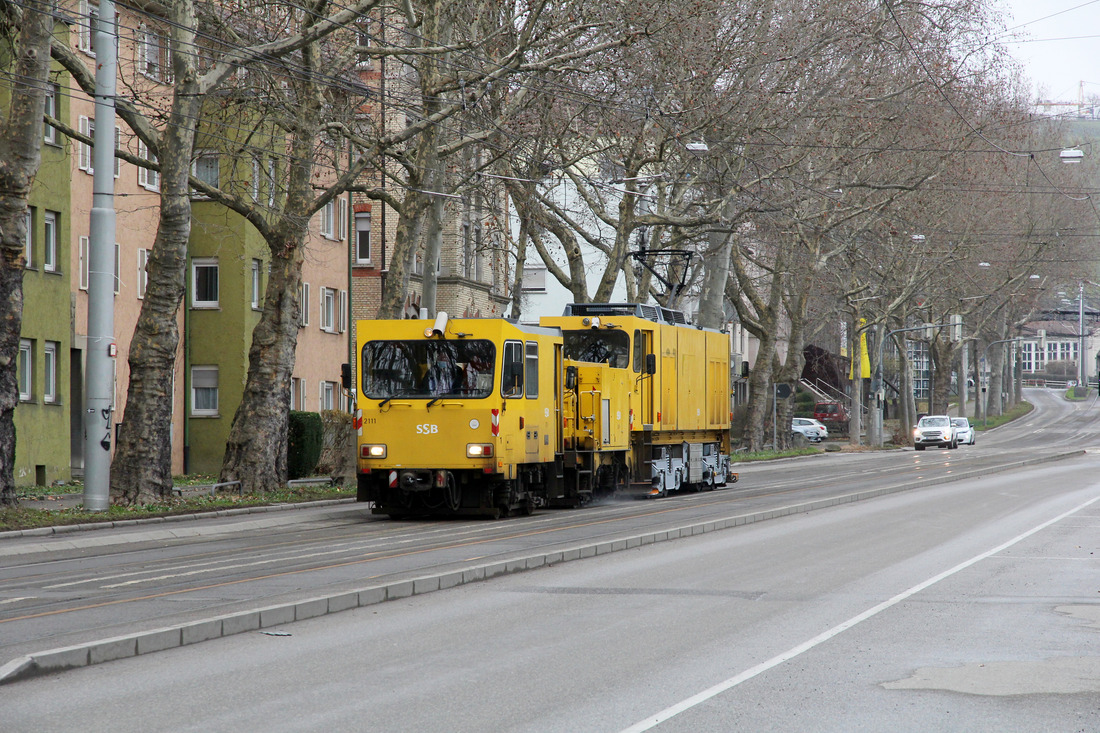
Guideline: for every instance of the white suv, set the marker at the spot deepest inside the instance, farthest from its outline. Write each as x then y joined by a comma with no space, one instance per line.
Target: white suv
935,430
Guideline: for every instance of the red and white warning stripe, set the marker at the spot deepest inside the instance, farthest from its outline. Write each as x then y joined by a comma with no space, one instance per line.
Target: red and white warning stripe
359,422
496,422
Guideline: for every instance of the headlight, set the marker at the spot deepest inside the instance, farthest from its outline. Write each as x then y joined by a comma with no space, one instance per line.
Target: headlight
372,451
479,450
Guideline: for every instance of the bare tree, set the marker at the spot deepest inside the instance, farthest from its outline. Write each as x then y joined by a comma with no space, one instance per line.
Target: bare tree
24,37
210,49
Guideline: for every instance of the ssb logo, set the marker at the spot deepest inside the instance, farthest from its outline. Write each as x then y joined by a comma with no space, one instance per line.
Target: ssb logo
427,429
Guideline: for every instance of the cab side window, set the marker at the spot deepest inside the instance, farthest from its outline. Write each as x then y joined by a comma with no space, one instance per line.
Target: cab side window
532,364
511,375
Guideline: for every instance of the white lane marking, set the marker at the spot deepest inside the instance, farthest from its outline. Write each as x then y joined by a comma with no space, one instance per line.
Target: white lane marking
16,600
805,646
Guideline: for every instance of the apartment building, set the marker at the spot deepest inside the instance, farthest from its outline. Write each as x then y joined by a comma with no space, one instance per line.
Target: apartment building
226,276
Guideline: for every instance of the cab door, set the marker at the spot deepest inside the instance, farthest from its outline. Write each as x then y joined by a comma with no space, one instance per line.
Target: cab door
643,347
534,428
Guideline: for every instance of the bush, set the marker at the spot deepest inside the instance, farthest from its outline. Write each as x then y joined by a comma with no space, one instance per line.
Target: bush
804,402
304,438
338,450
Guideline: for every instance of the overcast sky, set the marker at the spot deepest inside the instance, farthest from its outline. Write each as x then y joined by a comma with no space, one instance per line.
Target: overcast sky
1064,48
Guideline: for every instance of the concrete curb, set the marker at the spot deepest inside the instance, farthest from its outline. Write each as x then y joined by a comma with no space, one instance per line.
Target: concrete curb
145,642
86,526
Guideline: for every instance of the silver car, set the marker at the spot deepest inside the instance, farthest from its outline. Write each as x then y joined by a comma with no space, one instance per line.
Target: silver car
814,430
964,431
935,430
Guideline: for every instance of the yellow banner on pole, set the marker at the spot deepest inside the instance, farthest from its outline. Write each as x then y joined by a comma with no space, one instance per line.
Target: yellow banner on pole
864,356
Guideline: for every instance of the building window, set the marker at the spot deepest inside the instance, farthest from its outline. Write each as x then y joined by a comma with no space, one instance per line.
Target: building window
467,250
118,148
86,126
271,182
256,175
26,369
328,309
207,168
204,390
155,60
147,178
342,316
341,219
49,371
256,264
28,238
142,273
204,283
53,93
328,396
478,274
328,215
303,299
362,40
534,280
295,399
84,263
118,268
89,20
362,238
49,241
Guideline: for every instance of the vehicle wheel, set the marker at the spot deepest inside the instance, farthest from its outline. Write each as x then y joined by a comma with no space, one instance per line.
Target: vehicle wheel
954,444
918,447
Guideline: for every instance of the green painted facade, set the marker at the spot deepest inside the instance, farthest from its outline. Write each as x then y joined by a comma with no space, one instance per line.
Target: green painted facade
220,336
43,423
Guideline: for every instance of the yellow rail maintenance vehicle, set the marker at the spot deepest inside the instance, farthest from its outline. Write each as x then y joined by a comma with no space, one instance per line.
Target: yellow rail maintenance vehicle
458,417
679,406
487,416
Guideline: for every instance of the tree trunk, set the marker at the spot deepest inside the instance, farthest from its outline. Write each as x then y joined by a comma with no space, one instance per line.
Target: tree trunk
433,247
760,394
712,299
20,155
142,467
907,409
993,405
942,356
855,419
255,452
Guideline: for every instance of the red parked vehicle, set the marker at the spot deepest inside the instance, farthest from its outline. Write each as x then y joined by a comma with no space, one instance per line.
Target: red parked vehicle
831,412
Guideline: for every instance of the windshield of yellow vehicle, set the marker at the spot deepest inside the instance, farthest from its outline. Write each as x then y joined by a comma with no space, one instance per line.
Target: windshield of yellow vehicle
428,369
612,347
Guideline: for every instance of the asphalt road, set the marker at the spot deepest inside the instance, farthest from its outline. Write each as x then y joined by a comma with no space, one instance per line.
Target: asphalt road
68,590
970,605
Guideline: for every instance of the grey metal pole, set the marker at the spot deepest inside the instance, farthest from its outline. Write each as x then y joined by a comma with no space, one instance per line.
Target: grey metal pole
1084,379
963,376
99,380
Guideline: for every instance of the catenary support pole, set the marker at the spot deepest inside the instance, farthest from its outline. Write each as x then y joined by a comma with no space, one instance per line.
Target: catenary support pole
99,386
